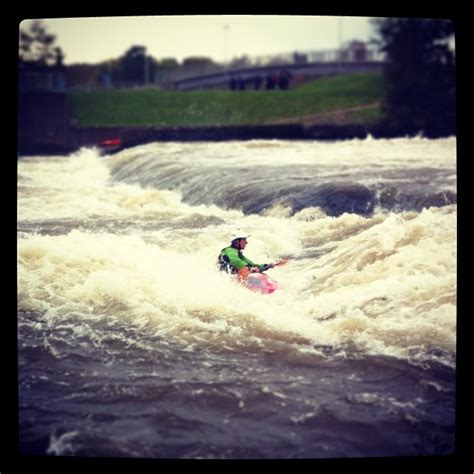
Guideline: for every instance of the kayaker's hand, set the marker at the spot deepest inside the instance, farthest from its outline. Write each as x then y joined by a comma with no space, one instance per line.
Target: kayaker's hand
254,270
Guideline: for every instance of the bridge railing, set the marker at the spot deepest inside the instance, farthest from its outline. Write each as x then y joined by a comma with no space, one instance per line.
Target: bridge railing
301,71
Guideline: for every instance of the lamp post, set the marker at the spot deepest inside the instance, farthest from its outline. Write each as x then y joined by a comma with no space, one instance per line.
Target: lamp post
226,29
340,37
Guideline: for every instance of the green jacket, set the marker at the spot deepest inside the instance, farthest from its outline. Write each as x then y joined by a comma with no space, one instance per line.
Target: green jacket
231,260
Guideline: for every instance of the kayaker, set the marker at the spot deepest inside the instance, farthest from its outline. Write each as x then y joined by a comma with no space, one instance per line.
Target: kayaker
232,260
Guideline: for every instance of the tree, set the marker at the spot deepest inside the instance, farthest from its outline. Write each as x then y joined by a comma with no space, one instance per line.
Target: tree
165,69
198,63
37,45
136,66
419,73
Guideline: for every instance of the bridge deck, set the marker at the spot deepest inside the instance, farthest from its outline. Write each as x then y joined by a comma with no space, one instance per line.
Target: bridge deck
313,70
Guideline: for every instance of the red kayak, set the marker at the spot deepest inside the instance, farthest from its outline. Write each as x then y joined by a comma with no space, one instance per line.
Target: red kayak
259,282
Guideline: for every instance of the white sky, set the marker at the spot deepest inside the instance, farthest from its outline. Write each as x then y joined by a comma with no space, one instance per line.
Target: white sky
91,40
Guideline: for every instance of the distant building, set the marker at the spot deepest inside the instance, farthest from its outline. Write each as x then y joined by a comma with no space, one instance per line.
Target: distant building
355,51
299,58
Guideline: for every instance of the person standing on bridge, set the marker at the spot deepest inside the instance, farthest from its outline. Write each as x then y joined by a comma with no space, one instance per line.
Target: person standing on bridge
257,82
271,82
284,79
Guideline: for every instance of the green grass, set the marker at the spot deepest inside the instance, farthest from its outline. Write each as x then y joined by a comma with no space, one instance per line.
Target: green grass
370,115
154,107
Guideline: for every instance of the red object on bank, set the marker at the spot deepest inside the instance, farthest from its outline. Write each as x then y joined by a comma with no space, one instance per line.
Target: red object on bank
110,142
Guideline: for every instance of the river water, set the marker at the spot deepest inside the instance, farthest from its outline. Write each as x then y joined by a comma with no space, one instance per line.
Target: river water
132,344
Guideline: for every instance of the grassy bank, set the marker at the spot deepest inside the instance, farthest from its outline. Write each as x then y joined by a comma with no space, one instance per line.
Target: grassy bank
154,107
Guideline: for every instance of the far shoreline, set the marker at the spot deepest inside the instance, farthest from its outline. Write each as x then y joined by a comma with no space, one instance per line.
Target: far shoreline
114,139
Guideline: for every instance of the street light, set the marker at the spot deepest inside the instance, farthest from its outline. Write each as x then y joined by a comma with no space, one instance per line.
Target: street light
340,37
226,29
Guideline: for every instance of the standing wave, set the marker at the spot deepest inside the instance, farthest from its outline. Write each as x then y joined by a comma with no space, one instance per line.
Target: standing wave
254,177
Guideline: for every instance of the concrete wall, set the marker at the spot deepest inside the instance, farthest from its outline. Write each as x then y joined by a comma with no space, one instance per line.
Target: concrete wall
43,121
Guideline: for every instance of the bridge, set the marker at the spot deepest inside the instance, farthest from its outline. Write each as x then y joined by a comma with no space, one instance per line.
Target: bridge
299,73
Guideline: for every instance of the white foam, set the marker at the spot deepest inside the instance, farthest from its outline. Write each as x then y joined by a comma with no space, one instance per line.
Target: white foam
382,285
384,290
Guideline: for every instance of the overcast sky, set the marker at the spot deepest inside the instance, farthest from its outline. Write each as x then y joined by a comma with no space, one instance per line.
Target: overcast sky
221,38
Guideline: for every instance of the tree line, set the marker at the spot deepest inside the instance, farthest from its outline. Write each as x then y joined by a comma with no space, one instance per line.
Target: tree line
135,67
